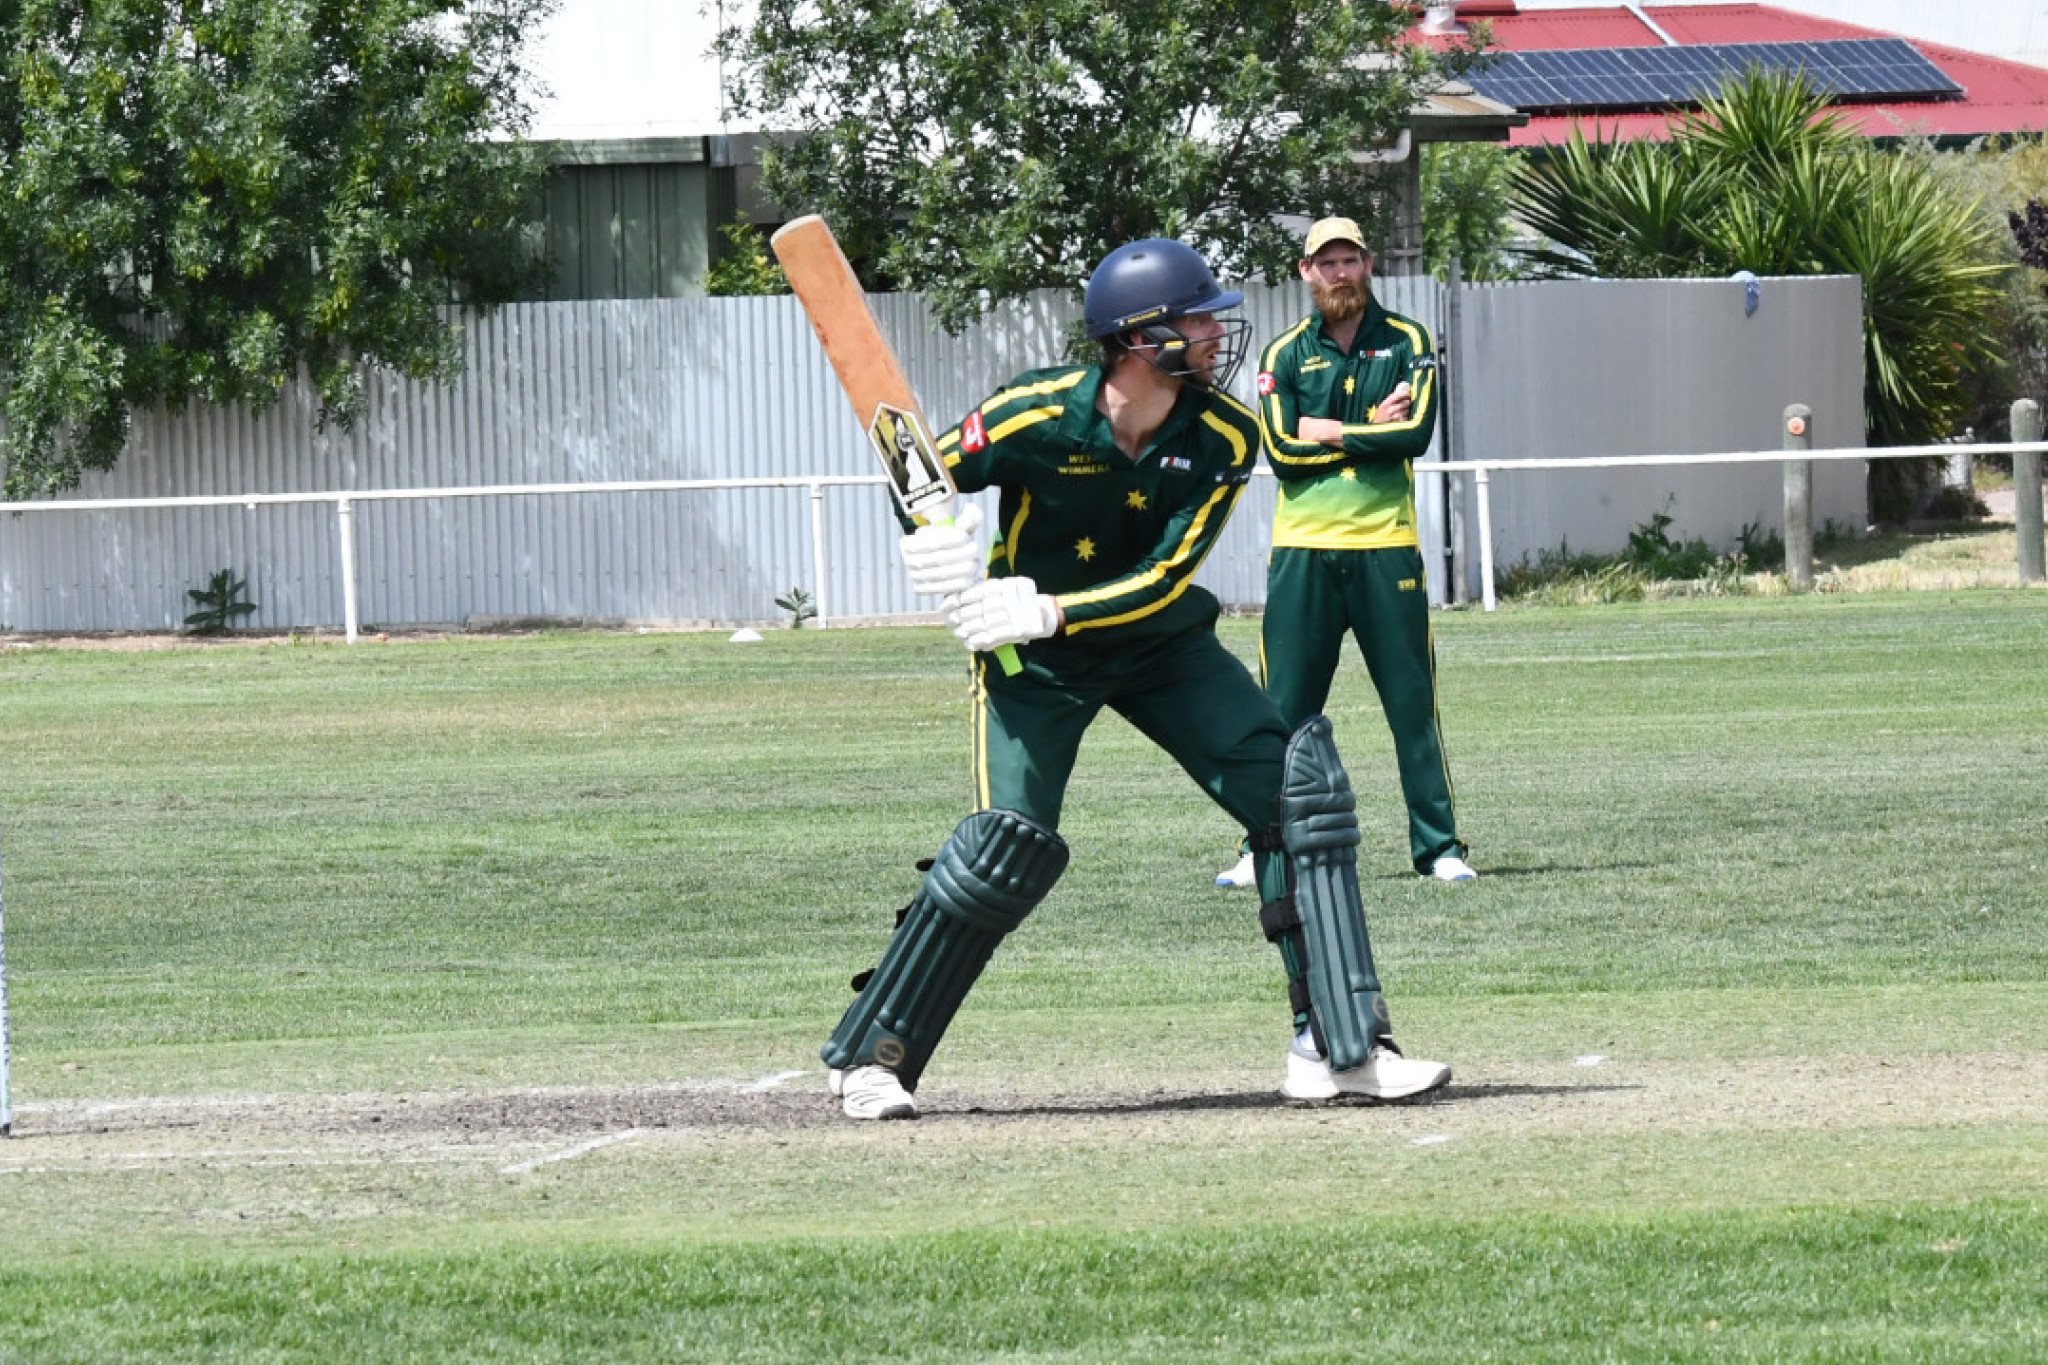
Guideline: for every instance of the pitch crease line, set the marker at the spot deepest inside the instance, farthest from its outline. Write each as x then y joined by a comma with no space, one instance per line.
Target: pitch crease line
774,1082
569,1153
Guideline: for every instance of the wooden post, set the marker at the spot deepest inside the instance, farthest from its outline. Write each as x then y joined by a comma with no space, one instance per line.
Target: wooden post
1799,499
2026,487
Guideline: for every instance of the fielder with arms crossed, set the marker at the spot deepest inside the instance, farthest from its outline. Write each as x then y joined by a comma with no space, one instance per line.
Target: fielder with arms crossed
1116,479
1348,398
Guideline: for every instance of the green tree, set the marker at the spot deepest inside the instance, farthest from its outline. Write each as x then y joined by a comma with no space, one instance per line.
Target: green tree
1467,198
745,267
205,199
981,149
1764,179
2008,178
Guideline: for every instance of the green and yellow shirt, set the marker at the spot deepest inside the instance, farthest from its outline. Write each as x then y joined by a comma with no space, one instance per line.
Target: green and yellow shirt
1115,540
1360,496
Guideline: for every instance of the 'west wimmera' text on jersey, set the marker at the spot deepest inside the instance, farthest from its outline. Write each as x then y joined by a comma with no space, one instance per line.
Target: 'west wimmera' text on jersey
1115,540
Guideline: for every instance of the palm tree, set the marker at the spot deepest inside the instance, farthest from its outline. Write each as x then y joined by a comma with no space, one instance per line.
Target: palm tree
1763,178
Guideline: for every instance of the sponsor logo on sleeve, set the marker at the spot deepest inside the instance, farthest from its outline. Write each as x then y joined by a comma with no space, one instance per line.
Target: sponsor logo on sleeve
973,433
1265,381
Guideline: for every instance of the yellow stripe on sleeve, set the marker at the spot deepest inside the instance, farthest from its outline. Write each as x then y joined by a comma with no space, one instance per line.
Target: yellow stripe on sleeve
1060,384
1029,417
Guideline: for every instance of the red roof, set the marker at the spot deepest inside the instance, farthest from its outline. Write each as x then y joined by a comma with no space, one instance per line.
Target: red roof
1998,96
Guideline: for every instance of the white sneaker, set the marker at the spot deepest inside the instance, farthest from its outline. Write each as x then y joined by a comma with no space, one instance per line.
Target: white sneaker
1240,875
1385,1075
871,1092
1452,868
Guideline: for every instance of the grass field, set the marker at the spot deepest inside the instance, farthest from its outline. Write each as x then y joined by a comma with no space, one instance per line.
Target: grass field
458,1000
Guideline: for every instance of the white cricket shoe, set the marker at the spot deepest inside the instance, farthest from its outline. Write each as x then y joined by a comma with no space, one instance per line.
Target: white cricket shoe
1452,868
1240,875
871,1092
1385,1075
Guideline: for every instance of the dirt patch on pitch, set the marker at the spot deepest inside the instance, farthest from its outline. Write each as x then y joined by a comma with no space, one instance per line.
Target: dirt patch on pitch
513,1127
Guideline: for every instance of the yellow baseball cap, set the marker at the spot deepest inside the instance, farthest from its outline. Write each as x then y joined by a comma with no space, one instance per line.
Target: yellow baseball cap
1328,230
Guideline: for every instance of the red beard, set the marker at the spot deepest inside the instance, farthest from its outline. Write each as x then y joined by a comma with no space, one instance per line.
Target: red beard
1338,302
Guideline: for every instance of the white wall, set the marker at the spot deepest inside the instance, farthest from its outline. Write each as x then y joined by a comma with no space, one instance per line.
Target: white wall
629,69
1592,368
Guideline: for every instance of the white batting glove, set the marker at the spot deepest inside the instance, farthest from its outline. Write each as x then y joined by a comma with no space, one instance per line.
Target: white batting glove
944,560
1003,611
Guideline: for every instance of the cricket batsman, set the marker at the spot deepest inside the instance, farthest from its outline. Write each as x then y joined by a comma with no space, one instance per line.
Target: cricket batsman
1116,479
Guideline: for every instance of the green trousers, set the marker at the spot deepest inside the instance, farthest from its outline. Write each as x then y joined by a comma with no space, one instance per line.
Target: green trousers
1315,597
1186,692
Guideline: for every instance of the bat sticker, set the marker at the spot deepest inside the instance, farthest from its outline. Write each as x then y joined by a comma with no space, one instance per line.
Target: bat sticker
913,464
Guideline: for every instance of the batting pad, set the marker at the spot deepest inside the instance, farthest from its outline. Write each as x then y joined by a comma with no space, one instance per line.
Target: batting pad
987,878
1319,831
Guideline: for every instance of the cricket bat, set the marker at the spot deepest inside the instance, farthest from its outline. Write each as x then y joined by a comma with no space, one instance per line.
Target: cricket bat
869,373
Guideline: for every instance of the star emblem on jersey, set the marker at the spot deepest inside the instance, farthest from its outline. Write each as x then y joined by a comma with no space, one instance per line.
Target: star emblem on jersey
1349,474
1084,549
1135,500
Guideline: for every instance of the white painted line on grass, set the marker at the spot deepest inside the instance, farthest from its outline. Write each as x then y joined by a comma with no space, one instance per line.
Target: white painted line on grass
569,1153
1430,1139
205,1154
774,1082
154,1161
1590,1059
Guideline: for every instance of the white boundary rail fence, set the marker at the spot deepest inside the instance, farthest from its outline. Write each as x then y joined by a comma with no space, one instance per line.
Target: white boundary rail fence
1483,470
814,488
344,504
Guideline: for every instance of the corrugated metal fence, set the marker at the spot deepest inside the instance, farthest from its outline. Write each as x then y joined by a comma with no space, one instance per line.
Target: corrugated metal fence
561,392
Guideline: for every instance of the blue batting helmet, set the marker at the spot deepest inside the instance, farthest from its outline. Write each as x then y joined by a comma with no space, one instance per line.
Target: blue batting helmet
1154,280
1144,287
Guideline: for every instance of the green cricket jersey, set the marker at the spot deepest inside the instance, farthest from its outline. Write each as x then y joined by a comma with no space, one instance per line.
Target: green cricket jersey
1360,496
1115,540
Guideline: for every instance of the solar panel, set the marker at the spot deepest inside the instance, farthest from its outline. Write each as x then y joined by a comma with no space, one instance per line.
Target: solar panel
1665,77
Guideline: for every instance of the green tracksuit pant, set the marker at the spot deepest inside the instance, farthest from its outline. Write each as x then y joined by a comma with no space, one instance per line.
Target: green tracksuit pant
1313,598
1186,693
